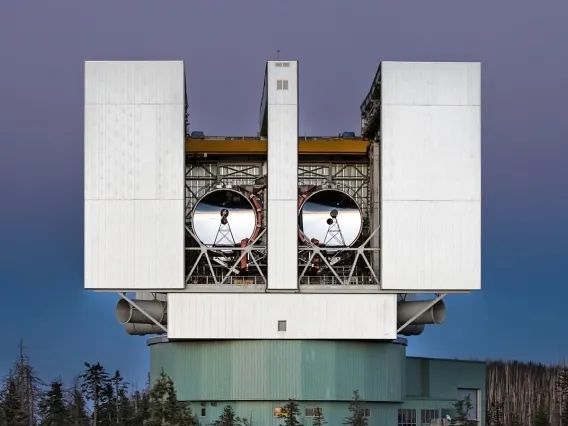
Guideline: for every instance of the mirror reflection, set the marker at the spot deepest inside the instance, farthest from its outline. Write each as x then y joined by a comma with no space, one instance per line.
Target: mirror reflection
332,217
223,217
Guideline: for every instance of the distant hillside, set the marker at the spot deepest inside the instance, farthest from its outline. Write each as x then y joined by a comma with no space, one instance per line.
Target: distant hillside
520,387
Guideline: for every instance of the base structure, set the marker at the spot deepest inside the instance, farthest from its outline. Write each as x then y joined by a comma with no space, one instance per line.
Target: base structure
256,377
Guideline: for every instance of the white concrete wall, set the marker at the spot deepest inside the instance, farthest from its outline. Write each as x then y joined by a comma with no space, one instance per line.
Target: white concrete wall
134,175
256,316
431,176
282,209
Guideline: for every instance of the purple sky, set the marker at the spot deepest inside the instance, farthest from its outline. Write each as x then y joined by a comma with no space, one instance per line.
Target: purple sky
43,44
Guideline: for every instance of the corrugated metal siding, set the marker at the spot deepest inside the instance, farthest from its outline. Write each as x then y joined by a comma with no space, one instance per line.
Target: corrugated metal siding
282,160
134,175
277,370
256,316
431,176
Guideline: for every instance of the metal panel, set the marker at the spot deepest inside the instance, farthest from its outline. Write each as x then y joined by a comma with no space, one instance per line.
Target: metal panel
431,245
256,316
430,177
282,153
437,157
308,370
431,83
134,175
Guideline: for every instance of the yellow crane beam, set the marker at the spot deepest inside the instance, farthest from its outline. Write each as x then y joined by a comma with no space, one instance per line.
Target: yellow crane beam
254,146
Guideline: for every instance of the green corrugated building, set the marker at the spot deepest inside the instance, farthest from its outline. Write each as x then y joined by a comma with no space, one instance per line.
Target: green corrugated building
256,377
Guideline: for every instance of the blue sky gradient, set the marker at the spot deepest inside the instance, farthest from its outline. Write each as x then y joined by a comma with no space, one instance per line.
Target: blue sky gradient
521,311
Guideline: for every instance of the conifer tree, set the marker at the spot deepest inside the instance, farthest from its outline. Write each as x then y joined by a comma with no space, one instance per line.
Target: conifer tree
289,413
107,411
28,385
140,405
76,405
52,406
228,418
357,416
319,419
165,409
13,413
95,380
462,409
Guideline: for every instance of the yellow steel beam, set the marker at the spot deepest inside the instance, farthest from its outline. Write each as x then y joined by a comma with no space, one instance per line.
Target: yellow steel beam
331,146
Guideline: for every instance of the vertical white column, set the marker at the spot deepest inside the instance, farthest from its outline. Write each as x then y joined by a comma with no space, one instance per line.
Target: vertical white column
134,175
282,209
431,176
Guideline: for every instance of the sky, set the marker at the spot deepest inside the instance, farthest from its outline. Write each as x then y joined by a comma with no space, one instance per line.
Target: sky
521,311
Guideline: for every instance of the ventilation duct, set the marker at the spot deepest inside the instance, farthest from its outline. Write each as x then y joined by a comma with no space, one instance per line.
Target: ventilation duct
126,313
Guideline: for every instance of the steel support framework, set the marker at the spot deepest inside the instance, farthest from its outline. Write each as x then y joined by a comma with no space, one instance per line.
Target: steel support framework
202,265
354,179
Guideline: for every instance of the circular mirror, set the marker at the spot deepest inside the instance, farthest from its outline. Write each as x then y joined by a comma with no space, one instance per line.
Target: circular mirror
332,217
224,217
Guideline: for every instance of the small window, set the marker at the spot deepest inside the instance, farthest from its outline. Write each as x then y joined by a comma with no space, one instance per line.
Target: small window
406,417
473,394
314,412
366,412
281,84
278,64
203,411
282,64
281,325
279,412
427,416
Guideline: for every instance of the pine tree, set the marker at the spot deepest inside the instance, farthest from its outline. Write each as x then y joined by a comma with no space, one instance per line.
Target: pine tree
76,405
357,417
27,385
52,407
95,380
319,419
228,418
140,404
290,413
462,409
165,409
13,413
106,412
